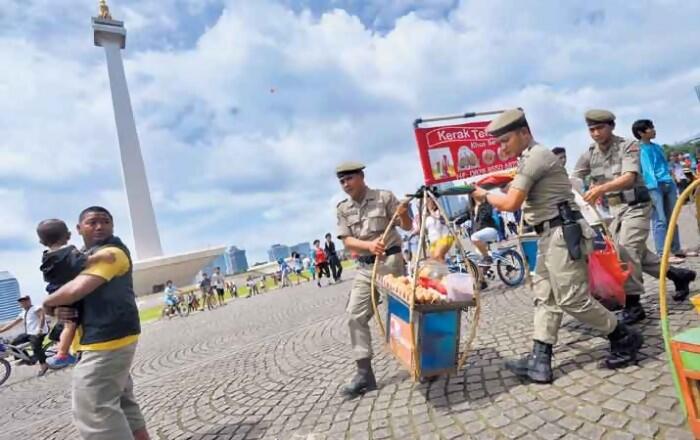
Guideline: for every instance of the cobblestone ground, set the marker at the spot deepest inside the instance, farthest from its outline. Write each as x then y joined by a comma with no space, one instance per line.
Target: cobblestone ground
271,367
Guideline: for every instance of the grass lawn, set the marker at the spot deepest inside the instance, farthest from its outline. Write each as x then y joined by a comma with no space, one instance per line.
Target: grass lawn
154,313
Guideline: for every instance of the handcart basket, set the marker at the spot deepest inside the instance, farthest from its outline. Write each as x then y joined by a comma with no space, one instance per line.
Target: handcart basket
436,349
429,333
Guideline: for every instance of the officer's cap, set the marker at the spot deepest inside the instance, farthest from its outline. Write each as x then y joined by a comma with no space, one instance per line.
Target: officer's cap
506,122
346,168
597,116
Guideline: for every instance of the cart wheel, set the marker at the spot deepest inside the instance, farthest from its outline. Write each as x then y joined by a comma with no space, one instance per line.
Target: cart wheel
511,267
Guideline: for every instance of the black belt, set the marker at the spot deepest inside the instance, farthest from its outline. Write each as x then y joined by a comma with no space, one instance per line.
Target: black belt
556,221
369,259
638,196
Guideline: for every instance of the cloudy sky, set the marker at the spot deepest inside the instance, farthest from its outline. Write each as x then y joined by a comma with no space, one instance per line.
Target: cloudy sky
244,107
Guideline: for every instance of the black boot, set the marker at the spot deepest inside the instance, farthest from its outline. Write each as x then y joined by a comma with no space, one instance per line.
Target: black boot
633,311
624,345
363,381
536,366
682,279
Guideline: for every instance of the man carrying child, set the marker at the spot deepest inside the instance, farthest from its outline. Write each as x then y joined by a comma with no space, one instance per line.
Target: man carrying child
104,405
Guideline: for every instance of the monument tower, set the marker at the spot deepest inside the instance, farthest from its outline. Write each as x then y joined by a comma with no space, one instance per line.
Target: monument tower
152,268
111,35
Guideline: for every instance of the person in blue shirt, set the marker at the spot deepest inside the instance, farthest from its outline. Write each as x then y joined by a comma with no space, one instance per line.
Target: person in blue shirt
170,297
662,188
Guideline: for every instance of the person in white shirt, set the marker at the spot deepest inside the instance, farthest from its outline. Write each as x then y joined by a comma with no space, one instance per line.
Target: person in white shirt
35,329
218,282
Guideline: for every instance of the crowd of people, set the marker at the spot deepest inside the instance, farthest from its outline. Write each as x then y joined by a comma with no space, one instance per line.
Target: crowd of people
323,261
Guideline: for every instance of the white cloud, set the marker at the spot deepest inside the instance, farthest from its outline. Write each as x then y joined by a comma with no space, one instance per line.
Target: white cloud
16,225
242,119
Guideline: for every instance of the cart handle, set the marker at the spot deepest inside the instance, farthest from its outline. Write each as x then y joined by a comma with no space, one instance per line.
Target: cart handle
466,115
435,192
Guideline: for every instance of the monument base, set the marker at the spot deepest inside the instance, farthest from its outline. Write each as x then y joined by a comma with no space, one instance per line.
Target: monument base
181,269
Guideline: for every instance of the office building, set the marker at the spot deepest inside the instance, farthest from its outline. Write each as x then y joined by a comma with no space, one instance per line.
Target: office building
303,249
236,260
453,205
278,251
220,262
9,293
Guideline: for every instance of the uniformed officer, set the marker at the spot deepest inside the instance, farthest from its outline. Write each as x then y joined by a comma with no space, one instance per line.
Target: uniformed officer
613,165
362,219
542,187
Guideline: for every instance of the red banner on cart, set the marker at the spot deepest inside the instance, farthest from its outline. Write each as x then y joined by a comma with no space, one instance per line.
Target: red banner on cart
459,152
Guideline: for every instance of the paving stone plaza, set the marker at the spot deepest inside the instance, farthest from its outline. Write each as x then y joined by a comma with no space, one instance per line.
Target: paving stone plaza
271,367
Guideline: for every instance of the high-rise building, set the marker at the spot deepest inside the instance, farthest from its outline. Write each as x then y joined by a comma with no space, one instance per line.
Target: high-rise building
236,260
453,205
303,249
278,251
9,293
219,262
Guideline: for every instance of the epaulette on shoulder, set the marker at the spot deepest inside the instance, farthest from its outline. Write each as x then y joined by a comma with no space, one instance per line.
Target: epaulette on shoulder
341,202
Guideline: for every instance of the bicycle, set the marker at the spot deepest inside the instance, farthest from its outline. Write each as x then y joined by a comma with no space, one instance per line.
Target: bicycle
180,308
510,265
21,353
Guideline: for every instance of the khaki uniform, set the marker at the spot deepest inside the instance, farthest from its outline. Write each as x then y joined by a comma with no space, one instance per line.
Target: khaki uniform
631,224
367,220
560,283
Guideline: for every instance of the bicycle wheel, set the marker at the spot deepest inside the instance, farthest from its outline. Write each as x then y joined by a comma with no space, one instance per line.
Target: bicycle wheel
5,370
183,309
510,267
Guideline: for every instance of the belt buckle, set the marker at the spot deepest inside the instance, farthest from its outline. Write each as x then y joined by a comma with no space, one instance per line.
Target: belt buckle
546,226
614,200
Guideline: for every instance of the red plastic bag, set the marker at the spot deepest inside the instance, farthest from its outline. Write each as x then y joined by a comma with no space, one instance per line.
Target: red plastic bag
607,276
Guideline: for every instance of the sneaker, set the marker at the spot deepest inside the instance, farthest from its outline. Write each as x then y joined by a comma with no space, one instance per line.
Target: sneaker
59,361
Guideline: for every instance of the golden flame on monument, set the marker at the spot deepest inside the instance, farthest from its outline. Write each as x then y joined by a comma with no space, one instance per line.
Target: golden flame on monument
104,11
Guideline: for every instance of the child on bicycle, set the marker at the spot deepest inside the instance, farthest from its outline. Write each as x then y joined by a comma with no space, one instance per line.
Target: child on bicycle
60,263
170,299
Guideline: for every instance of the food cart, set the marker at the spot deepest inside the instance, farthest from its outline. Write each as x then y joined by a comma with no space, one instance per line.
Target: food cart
430,328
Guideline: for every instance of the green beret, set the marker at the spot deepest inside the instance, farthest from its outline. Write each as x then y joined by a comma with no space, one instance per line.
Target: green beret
346,168
597,116
507,121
